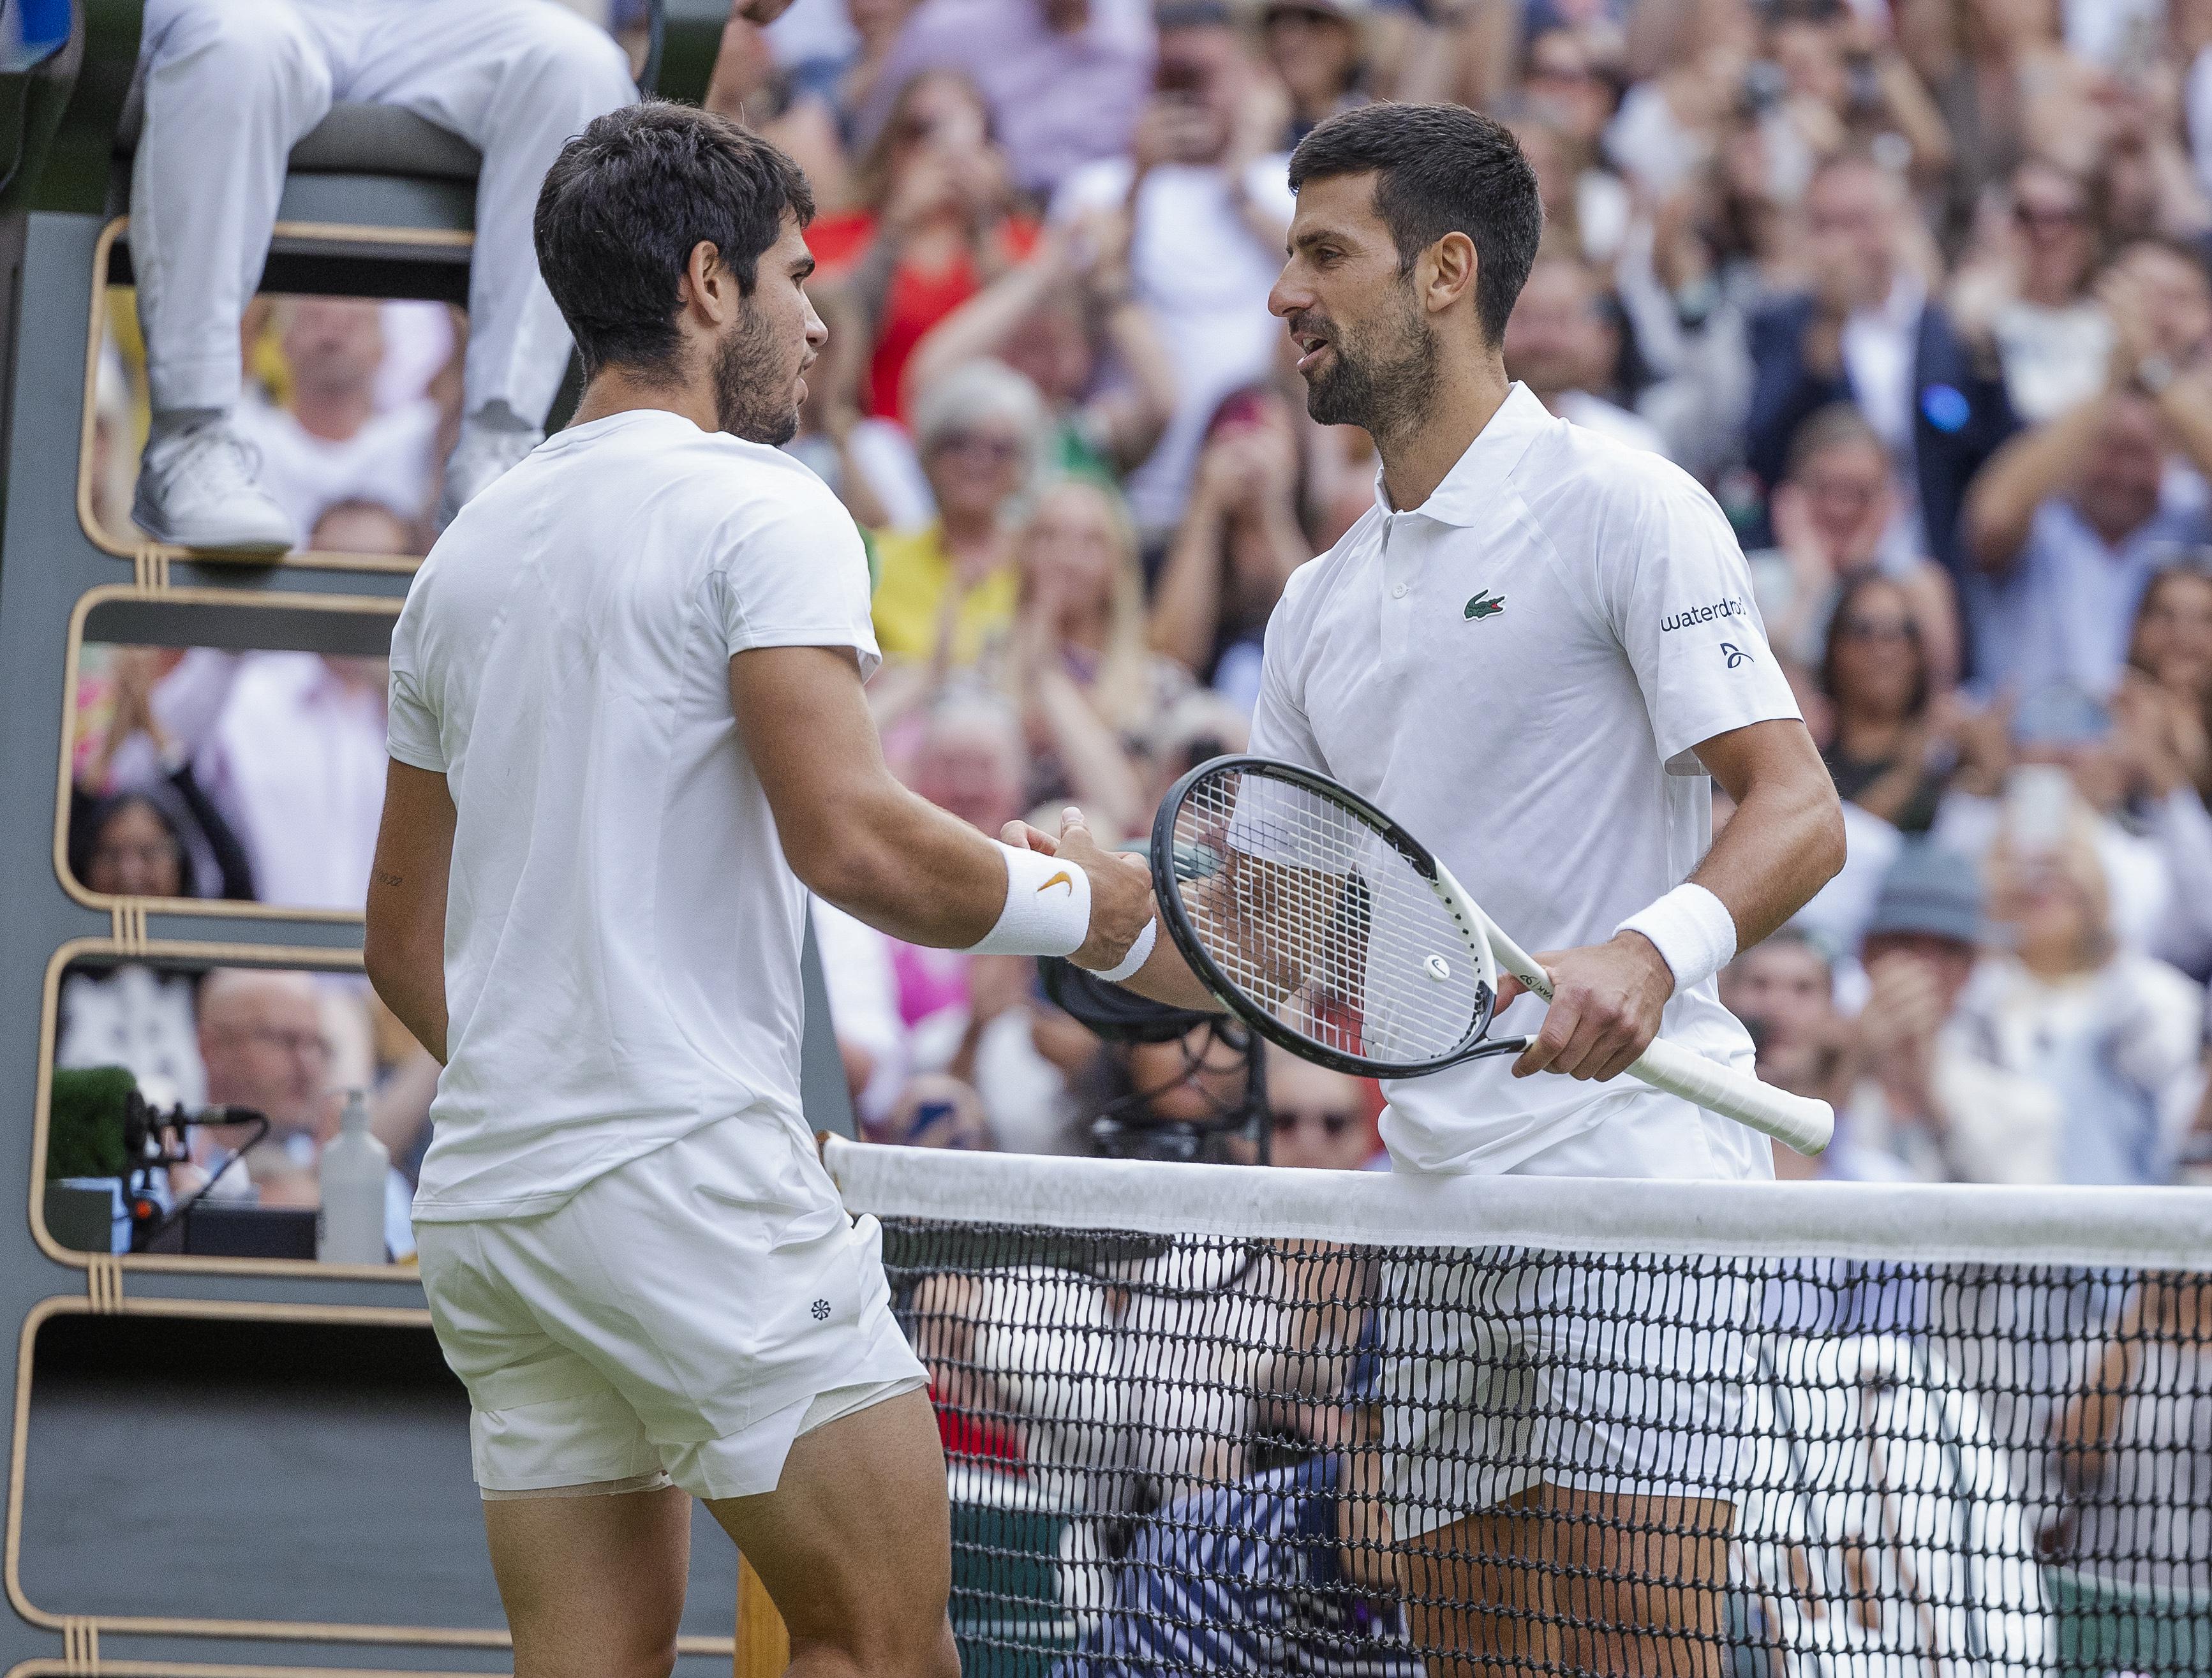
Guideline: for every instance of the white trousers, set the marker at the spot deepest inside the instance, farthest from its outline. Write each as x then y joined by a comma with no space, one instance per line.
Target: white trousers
231,85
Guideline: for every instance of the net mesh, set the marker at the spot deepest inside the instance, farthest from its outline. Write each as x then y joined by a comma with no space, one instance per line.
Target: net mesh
1314,915
1195,1428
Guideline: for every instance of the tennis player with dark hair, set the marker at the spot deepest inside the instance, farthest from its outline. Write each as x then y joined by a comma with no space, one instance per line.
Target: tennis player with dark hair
627,734
1537,651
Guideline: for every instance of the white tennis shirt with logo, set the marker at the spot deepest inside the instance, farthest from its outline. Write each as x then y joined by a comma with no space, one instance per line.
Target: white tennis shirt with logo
1519,670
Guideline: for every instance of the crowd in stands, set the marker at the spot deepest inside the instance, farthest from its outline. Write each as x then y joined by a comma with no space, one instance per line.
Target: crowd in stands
1918,288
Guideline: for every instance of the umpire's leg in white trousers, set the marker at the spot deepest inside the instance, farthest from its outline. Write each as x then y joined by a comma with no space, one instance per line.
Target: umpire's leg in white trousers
231,85
518,79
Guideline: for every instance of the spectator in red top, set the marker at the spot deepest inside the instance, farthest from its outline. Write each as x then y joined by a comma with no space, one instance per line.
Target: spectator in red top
934,225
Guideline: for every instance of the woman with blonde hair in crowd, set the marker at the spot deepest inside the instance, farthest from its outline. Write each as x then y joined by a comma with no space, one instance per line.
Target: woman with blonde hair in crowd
1078,662
1069,653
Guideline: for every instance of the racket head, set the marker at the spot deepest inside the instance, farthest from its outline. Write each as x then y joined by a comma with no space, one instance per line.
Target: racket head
1320,921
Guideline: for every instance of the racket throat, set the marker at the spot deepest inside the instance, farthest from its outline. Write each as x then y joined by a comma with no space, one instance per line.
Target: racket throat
1490,1046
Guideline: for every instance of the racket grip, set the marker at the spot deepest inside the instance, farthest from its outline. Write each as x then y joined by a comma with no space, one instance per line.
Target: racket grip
1806,1124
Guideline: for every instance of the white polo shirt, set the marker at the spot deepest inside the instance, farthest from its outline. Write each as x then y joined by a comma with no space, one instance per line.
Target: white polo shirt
1518,671
622,929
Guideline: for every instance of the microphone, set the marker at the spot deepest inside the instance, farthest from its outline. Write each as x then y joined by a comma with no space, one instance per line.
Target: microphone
100,1125
216,1115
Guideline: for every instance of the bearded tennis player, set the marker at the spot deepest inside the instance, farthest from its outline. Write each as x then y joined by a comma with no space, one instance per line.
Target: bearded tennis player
627,734
1537,651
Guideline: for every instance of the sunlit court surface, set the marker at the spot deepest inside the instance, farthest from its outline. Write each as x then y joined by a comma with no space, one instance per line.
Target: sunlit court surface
1107,838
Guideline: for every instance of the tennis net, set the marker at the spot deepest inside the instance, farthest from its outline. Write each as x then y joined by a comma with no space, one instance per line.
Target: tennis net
1212,1419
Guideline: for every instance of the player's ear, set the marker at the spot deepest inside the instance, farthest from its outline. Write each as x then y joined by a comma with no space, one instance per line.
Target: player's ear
1448,270
707,285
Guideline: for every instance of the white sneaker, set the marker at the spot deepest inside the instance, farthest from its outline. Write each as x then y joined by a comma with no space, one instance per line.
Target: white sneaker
202,489
482,454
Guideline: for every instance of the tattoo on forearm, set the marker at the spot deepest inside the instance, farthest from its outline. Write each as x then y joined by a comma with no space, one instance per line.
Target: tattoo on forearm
385,877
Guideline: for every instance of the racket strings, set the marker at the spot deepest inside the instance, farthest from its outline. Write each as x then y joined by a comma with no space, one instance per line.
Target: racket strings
1311,911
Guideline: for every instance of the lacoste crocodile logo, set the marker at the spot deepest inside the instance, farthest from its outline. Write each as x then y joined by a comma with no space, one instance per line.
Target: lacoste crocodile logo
1484,605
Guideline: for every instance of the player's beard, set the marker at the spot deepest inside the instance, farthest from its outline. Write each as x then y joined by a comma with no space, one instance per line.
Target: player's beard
754,396
1383,378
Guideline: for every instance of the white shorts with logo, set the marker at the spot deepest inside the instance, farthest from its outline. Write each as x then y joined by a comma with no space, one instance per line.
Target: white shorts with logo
681,1319
1605,1375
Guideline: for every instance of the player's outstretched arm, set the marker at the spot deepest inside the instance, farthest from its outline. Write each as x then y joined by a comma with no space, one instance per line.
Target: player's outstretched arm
1164,975
404,945
1784,843
861,840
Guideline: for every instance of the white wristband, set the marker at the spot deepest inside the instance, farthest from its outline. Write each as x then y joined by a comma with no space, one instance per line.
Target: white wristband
1047,910
1692,931
1134,958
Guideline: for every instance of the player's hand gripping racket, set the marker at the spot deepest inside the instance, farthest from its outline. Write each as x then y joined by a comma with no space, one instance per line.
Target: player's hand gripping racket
1332,931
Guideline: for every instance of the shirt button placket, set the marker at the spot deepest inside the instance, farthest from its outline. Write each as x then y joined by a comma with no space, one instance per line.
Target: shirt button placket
1398,568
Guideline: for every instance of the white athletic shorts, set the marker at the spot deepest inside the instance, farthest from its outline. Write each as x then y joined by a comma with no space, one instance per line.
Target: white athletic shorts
1595,1374
681,1319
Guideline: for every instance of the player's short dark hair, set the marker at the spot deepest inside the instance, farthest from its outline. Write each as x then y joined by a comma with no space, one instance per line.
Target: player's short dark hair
625,203
1439,169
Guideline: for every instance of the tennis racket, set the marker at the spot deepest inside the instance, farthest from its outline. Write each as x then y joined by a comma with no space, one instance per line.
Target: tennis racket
1333,932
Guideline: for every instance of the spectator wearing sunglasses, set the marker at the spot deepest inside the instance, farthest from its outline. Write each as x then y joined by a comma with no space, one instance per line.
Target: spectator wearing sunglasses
1884,748
2032,298
1318,1119
945,591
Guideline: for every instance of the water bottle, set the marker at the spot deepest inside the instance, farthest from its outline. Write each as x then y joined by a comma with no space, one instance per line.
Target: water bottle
353,1169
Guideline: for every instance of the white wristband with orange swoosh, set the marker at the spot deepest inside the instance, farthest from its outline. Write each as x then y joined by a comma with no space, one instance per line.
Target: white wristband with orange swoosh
1047,910
1134,957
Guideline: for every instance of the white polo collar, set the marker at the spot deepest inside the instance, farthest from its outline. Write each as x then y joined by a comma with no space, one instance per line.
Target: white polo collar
1468,495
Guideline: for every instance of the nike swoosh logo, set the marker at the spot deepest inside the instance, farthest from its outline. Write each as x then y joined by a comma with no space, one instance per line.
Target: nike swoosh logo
1060,878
